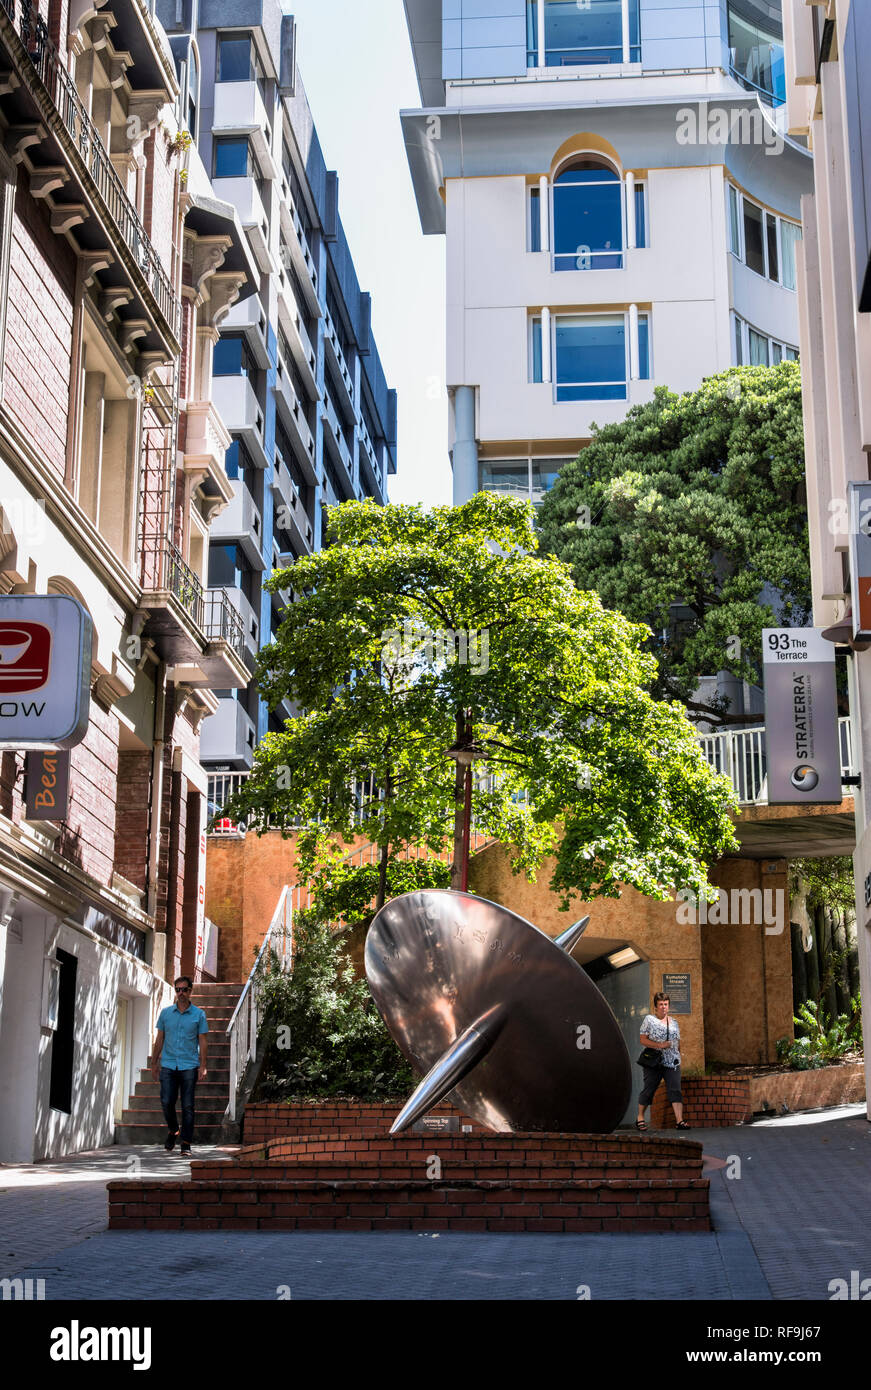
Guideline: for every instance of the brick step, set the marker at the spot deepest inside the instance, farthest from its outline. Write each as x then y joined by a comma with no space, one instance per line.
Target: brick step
217,1073
473,1206
452,1169
154,1119
147,1094
514,1149
128,1133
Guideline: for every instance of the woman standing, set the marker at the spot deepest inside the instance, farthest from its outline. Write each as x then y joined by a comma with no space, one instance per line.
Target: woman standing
660,1033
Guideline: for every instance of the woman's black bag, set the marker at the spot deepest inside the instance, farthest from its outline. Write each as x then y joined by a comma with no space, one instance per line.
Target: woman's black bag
652,1056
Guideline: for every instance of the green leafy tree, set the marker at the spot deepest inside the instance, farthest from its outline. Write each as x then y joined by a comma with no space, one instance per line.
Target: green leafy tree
689,516
416,632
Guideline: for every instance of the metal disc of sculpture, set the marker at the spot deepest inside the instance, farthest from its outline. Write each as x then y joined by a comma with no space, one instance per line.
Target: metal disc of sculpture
496,1014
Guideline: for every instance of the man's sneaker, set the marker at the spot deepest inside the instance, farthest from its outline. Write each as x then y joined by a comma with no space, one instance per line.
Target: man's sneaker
170,1142
185,1148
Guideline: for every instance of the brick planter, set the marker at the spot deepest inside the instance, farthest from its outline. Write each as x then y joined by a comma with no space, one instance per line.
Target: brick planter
480,1182
710,1102
715,1102
270,1119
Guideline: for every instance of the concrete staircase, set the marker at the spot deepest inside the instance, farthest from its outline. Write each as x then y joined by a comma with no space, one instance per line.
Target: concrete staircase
142,1121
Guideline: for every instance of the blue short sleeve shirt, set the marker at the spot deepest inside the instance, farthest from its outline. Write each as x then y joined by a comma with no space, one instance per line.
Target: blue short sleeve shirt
181,1032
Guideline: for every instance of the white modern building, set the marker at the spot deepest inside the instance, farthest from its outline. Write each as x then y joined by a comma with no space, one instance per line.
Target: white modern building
828,65
621,207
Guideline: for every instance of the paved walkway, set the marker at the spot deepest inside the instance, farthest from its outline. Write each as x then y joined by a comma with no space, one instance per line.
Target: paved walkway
789,1198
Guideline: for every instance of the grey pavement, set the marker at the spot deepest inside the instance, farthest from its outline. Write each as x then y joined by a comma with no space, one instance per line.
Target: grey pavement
791,1214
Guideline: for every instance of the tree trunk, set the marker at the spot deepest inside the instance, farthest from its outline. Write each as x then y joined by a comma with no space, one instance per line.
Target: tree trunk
459,808
382,877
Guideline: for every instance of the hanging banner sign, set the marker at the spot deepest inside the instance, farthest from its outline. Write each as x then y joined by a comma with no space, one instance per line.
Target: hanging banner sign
801,717
46,786
45,671
860,559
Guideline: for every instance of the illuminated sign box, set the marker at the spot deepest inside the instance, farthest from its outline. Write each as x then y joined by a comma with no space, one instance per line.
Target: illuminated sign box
45,671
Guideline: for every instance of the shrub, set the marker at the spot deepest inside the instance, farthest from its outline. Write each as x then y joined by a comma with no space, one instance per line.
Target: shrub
822,1040
338,1043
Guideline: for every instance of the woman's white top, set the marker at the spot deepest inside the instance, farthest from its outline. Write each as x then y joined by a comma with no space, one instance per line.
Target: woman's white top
655,1029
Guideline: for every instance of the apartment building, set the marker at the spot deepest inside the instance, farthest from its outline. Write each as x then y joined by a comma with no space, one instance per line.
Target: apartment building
297,377
118,264
621,205
828,68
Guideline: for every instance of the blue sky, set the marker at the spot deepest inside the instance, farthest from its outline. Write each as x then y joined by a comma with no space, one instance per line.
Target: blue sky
356,66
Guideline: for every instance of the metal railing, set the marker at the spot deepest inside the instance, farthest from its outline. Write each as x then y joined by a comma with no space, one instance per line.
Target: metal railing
740,755
51,72
243,1029
164,570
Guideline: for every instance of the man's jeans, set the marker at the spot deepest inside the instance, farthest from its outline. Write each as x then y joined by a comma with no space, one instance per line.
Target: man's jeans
170,1081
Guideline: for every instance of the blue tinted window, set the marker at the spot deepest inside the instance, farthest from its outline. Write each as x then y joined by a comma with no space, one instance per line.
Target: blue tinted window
234,60
231,158
536,349
643,347
640,223
228,357
231,460
588,218
591,359
575,33
534,220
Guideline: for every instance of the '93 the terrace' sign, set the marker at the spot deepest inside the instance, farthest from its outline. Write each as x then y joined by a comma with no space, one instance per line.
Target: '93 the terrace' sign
45,671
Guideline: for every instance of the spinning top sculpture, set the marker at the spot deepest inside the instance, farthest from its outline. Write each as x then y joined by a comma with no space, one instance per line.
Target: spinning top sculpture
497,1014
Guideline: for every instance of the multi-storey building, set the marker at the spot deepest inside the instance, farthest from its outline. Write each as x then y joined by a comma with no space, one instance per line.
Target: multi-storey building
297,377
828,65
117,265
621,210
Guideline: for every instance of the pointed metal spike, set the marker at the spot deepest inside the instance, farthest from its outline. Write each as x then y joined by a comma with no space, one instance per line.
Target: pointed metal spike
568,939
463,1054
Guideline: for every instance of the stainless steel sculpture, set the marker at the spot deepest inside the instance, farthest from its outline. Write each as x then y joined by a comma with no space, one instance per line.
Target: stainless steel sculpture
497,1015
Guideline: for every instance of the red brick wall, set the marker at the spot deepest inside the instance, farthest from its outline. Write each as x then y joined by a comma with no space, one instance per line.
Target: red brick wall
88,835
161,178
269,1120
132,817
42,277
710,1102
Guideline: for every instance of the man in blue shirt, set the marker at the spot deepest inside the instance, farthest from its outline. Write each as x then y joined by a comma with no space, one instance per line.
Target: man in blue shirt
179,1057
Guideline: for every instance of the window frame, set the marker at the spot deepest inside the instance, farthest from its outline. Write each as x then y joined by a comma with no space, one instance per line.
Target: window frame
620,182
530,460
252,168
766,213
741,330
534,322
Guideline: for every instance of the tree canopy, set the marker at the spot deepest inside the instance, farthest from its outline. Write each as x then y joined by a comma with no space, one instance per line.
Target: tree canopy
689,516
414,631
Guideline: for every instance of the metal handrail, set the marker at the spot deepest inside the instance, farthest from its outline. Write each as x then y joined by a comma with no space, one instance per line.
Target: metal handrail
740,754
222,621
61,90
244,1027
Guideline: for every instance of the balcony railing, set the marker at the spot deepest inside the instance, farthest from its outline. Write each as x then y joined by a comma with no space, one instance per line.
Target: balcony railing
164,570
61,89
739,755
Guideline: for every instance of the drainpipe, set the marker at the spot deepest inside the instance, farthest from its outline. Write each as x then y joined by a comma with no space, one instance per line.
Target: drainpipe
542,51
625,16
158,745
465,450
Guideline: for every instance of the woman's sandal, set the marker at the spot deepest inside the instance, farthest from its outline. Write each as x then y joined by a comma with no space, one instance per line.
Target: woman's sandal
640,1124
682,1124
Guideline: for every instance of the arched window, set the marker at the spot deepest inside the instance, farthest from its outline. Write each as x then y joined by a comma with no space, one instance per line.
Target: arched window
588,217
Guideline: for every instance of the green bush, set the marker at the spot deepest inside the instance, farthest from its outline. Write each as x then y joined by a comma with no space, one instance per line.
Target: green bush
337,1042
822,1040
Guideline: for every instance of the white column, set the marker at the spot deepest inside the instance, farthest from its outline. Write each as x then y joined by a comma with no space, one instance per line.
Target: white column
542,51
545,345
633,342
544,212
626,49
630,210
